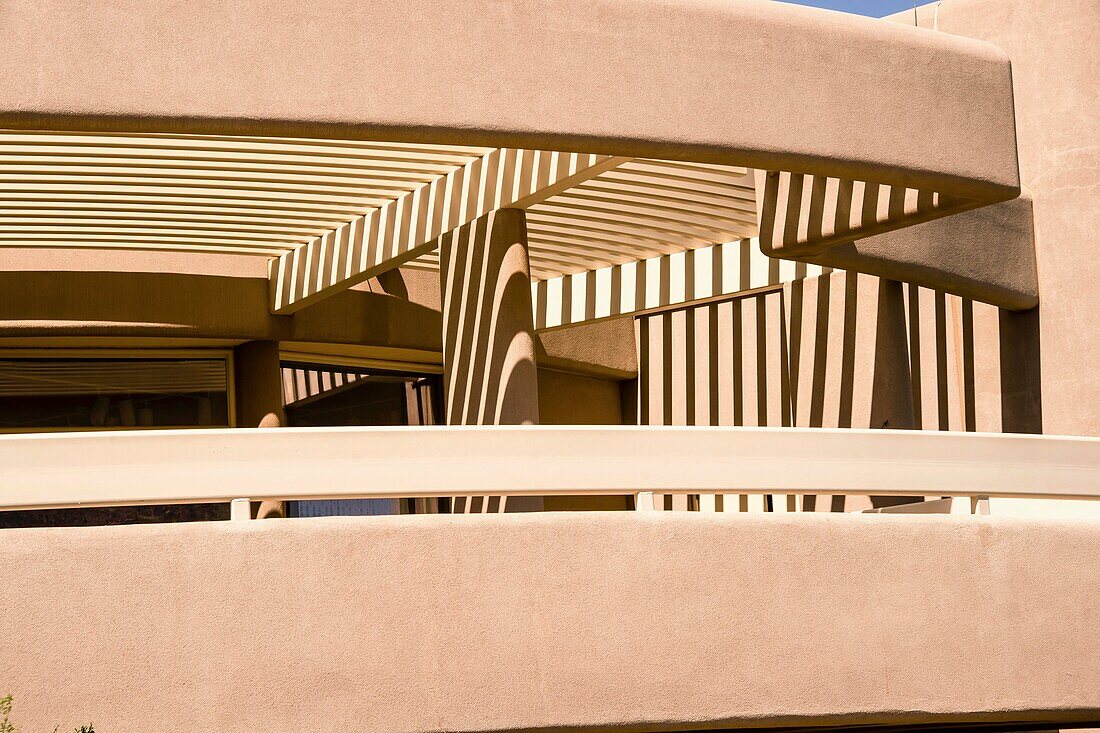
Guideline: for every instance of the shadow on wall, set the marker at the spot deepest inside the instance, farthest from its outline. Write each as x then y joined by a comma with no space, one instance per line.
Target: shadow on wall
488,345
804,214
842,350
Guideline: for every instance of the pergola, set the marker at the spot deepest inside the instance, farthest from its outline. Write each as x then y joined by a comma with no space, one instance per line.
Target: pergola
712,151
332,213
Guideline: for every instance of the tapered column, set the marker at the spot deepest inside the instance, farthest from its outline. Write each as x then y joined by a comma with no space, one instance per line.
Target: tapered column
489,371
259,399
892,387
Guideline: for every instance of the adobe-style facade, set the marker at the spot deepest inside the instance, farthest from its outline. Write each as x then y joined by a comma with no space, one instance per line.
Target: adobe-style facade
758,337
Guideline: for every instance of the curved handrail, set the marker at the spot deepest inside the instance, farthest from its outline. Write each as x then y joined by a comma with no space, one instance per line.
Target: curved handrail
170,466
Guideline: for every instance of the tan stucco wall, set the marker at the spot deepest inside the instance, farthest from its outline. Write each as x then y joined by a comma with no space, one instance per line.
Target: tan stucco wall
1056,62
1044,43
1055,65
1051,44
576,399
606,621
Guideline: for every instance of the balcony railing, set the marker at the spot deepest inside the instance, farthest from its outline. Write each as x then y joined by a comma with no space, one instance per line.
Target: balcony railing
42,471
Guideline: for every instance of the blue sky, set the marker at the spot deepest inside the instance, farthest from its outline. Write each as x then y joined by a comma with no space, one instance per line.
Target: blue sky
874,8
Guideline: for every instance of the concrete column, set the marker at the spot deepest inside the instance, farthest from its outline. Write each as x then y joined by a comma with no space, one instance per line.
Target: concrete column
259,399
892,387
489,370
1021,372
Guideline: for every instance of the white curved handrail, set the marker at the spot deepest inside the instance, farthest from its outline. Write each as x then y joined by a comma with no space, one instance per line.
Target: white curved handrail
178,466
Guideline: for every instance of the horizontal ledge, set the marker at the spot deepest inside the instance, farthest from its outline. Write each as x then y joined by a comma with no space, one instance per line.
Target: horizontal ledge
181,466
948,126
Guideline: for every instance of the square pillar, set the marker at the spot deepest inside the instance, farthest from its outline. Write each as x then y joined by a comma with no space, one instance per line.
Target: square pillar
258,388
258,385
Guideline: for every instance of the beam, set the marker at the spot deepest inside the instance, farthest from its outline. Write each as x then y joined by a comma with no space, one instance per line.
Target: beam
684,278
412,224
985,254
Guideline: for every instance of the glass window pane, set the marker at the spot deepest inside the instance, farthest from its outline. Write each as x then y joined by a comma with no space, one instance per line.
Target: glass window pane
113,393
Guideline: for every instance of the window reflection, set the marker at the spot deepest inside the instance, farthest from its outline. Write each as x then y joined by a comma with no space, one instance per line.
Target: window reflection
51,394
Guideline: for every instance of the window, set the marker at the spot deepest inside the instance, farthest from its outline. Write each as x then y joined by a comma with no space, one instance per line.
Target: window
98,389
89,391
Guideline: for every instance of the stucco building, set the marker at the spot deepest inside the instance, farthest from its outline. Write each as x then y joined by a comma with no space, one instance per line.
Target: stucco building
758,338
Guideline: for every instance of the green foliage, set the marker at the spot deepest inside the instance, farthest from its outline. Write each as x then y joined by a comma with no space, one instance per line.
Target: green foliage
6,725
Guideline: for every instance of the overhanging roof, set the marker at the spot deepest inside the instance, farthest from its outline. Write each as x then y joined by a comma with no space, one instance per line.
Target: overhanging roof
853,126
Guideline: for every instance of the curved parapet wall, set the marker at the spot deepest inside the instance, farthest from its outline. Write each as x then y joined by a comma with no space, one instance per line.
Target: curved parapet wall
987,254
553,622
754,83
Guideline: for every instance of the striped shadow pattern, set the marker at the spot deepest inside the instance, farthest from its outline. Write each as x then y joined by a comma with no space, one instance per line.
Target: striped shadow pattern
303,383
715,364
637,209
721,363
410,225
800,214
832,328
489,372
836,351
656,283
306,382
973,367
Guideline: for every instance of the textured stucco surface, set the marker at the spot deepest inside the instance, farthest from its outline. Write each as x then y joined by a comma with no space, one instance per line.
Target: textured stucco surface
1055,67
522,74
609,621
987,254
575,399
604,345
1055,64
